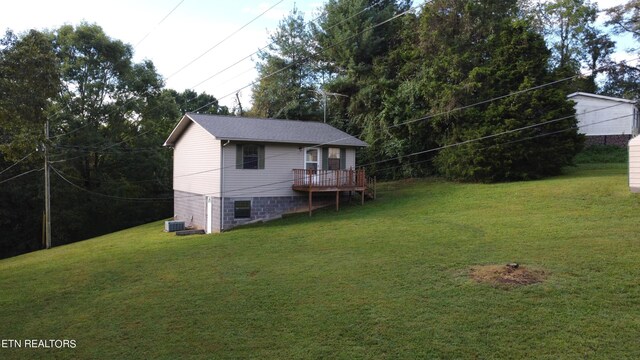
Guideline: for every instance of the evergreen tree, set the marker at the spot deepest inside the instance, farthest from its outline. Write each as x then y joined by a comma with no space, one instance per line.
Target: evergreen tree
478,50
286,78
362,53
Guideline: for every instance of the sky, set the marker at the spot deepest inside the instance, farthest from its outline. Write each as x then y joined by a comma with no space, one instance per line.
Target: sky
192,30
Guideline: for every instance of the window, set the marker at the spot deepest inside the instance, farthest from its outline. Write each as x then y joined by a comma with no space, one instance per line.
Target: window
249,156
242,209
334,158
311,159
334,162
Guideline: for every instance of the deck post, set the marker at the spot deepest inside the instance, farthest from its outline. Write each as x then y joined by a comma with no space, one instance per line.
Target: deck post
355,181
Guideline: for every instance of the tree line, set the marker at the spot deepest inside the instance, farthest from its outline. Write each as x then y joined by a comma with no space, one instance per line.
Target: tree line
414,83
410,79
108,118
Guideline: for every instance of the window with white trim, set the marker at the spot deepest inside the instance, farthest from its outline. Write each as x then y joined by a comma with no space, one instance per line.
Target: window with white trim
311,159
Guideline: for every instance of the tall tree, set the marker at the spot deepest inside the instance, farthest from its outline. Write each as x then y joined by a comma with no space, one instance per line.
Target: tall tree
626,18
190,101
623,79
360,45
566,24
598,48
109,117
286,83
104,137
28,83
474,51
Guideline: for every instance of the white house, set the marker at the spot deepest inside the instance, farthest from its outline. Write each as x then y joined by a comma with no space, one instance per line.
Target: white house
634,164
605,120
228,171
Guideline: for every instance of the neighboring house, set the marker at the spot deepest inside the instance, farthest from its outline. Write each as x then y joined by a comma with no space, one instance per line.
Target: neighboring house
605,120
634,164
229,171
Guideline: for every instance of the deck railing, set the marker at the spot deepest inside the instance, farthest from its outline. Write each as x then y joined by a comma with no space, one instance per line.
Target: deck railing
334,179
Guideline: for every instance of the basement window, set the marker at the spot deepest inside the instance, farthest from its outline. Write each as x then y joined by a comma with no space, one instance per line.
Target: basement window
242,209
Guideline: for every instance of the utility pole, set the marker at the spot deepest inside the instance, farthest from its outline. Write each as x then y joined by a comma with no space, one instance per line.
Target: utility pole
239,103
324,105
47,189
324,100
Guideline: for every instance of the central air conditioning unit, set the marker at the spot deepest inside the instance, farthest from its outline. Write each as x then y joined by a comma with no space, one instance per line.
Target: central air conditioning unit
172,226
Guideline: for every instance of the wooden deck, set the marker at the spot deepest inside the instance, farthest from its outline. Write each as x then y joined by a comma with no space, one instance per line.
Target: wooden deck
333,181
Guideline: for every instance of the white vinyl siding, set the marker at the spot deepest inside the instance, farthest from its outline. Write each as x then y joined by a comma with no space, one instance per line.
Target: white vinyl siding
276,179
196,162
634,164
601,116
351,159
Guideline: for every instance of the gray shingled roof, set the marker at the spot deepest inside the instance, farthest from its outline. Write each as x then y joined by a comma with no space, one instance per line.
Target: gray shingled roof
269,130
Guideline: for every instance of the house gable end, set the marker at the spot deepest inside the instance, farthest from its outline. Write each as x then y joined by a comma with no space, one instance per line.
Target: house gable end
180,128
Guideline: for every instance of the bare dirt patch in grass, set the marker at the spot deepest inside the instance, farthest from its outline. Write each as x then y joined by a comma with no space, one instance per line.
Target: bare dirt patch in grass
507,275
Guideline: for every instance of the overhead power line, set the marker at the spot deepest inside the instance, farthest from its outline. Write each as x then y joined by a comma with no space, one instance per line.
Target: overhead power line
158,24
489,137
101,194
411,121
115,181
103,148
70,132
503,143
273,42
211,103
17,176
223,40
430,117
288,181
467,106
16,163
305,59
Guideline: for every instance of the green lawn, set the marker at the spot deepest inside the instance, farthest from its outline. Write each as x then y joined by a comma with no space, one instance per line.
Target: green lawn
385,280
